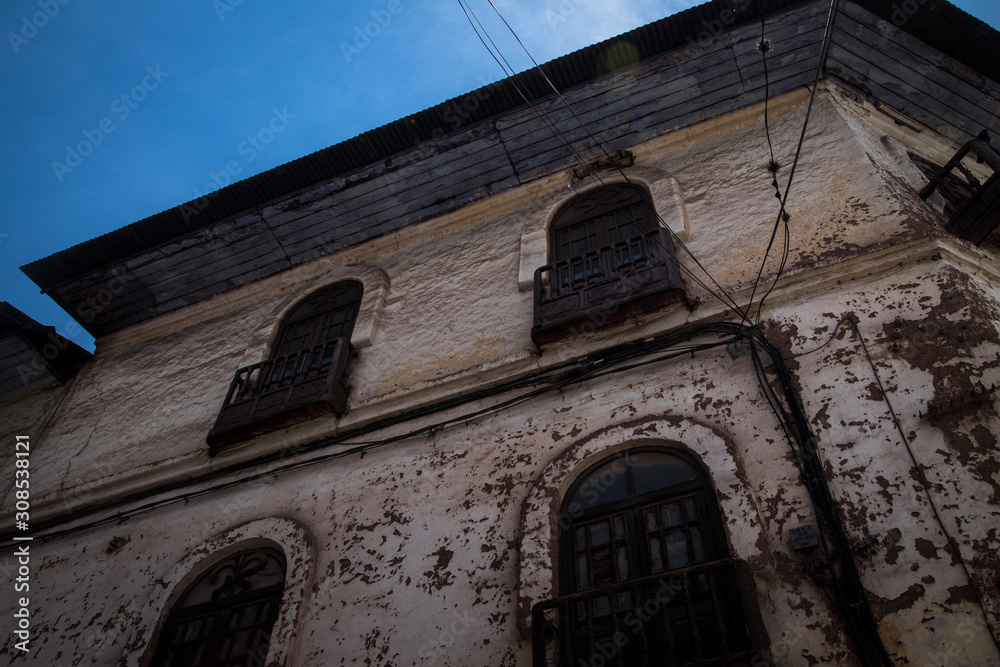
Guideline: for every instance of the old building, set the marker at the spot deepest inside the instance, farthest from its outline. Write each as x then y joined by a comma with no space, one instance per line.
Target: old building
552,383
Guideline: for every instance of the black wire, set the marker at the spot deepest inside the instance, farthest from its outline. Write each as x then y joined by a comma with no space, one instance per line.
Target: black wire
924,483
791,175
828,341
853,597
555,378
513,77
728,300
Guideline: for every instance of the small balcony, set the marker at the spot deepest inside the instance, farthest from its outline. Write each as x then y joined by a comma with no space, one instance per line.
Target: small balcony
972,201
282,390
702,615
584,293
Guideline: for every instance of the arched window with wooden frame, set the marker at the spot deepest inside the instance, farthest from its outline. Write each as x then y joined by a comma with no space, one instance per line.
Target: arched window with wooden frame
224,618
646,574
322,317
306,374
608,257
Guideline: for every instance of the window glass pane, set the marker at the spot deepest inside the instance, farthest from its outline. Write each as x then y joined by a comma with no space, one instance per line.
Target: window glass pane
602,606
677,549
192,631
619,527
696,542
652,471
671,515
621,560
599,533
656,554
582,573
604,485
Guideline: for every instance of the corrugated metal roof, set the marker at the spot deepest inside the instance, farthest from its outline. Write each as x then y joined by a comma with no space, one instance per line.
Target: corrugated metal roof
937,23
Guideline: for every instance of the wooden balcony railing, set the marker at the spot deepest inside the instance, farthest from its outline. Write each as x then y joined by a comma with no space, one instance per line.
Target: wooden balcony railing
702,615
586,292
976,217
277,391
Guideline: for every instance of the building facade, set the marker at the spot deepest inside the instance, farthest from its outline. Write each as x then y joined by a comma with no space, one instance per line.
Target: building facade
514,384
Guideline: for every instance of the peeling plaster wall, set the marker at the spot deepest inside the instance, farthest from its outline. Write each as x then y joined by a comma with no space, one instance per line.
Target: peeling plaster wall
424,552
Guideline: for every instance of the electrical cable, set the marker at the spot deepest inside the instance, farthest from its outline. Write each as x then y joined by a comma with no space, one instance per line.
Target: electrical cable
788,186
855,607
556,377
728,300
925,484
828,341
514,78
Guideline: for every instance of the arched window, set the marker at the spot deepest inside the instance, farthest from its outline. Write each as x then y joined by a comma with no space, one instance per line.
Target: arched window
646,576
224,618
615,217
306,374
606,251
322,317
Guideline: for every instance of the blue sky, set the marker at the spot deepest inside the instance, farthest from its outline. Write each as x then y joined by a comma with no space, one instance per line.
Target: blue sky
163,96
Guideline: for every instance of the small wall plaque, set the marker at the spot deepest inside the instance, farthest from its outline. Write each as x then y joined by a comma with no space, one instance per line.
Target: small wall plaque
803,536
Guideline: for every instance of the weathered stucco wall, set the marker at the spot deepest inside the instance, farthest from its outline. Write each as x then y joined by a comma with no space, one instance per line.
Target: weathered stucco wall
429,550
